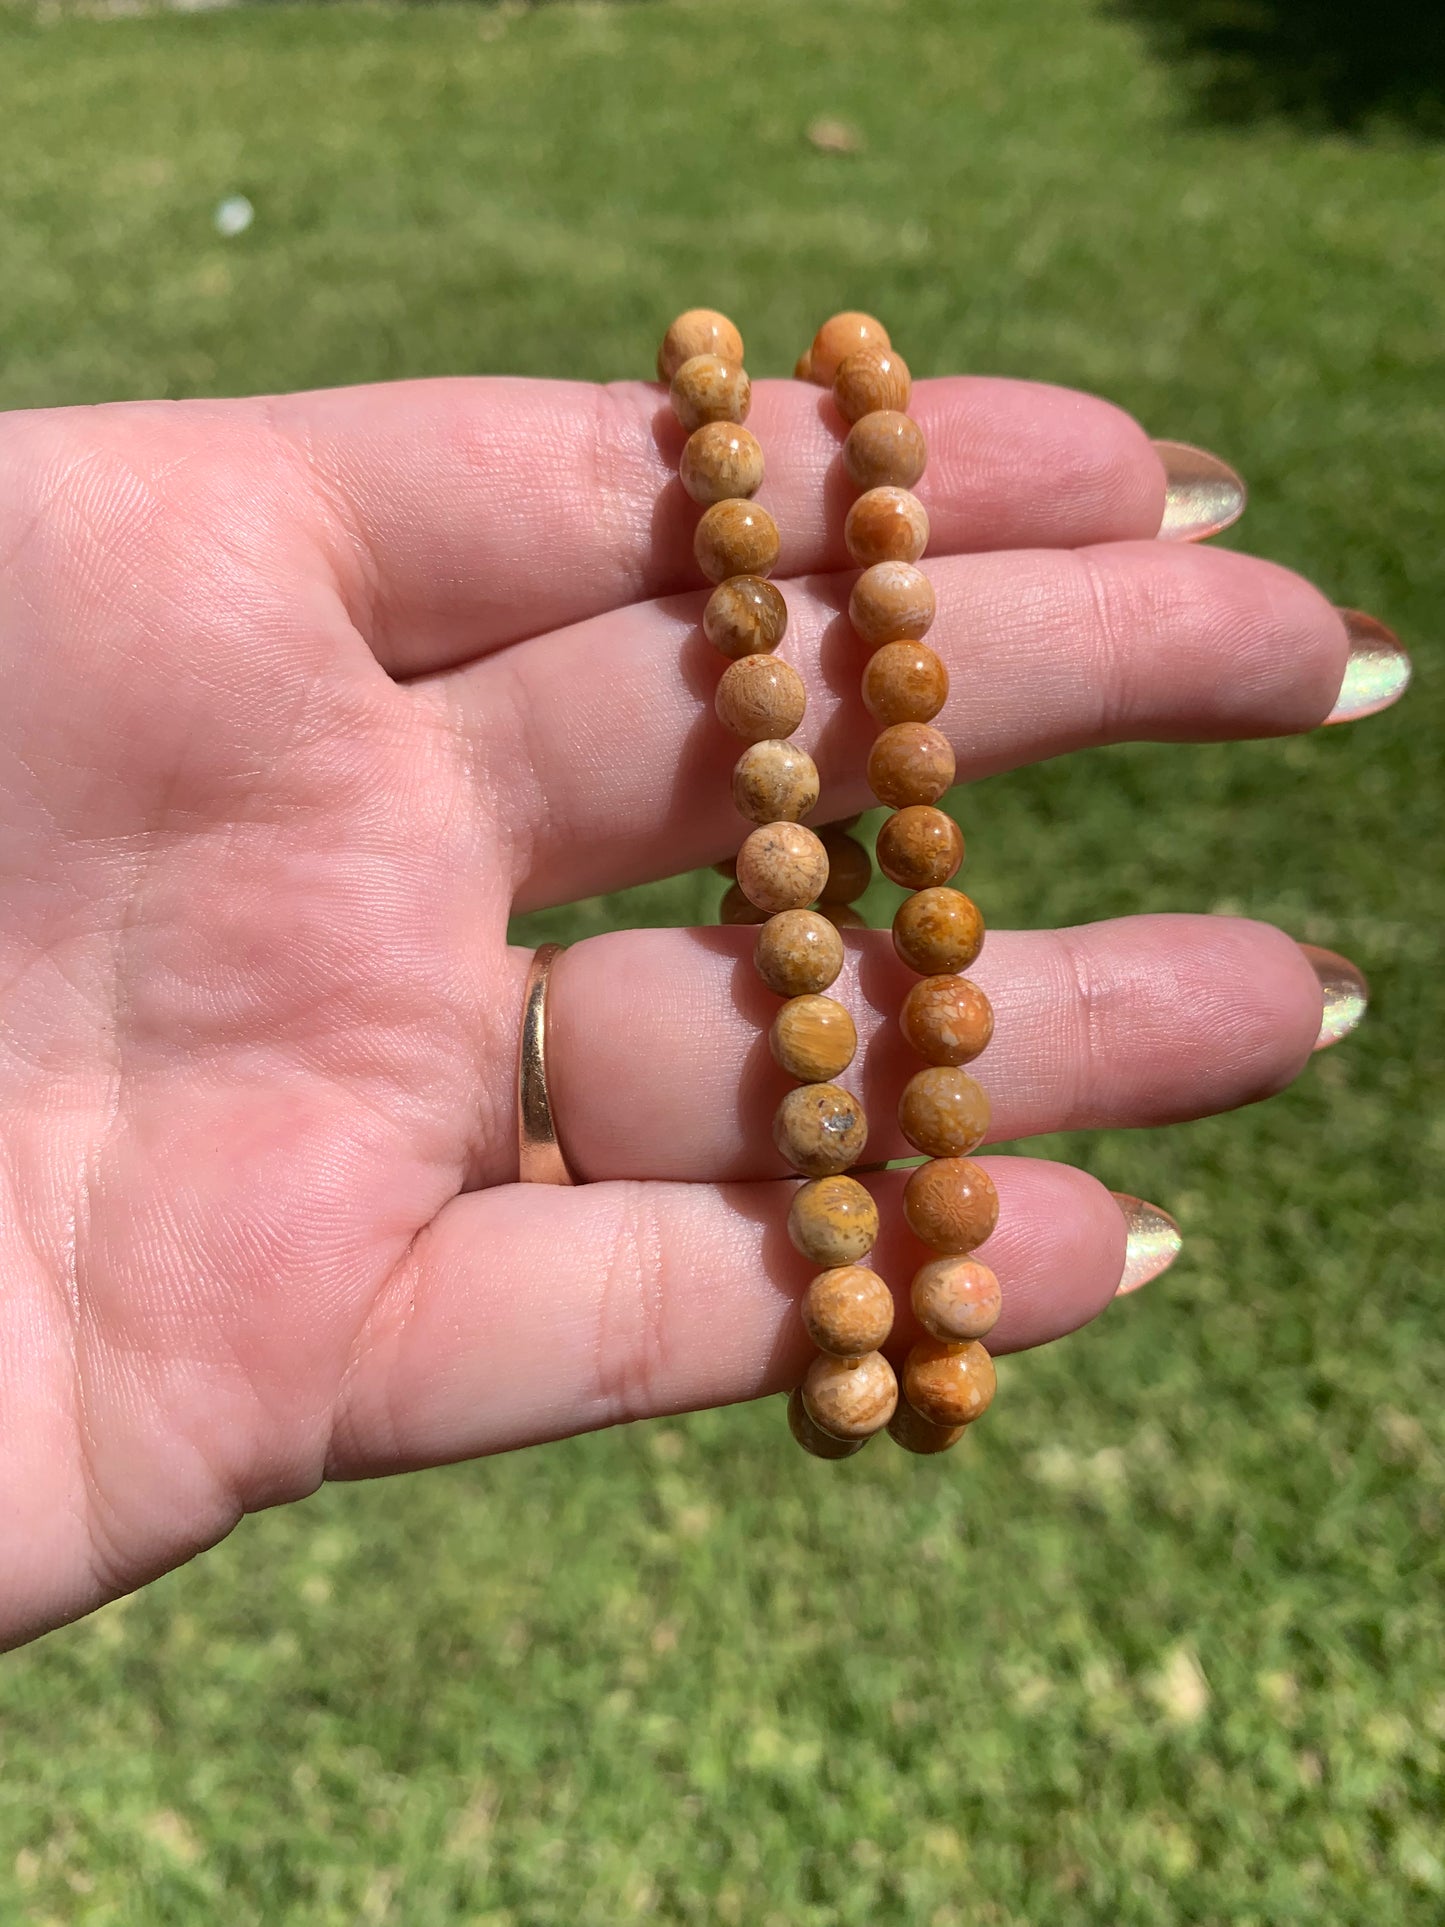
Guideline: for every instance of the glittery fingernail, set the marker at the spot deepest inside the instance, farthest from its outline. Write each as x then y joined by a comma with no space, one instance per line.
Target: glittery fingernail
1344,990
1377,673
1204,495
1154,1242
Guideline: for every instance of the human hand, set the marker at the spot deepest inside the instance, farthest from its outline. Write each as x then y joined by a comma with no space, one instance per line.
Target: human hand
304,696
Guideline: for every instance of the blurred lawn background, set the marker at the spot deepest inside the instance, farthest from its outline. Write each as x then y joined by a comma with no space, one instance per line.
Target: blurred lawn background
1164,1642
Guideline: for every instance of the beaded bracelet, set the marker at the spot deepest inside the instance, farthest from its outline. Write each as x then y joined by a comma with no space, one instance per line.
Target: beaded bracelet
782,868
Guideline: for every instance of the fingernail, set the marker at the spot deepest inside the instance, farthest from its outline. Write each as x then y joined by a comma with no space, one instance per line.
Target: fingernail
1346,994
1377,673
1204,495
1154,1242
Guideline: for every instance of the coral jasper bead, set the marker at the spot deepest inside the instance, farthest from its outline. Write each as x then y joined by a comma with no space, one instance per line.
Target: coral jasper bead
842,335
946,1019
943,1112
885,525
745,616
812,1438
956,1299
775,782
920,847
938,930
833,1221
910,763
698,331
851,1398
949,1384
905,682
735,538
760,698
781,866
873,378
820,1129
848,1311
721,460
890,602
709,389
951,1204
798,951
885,450
813,1038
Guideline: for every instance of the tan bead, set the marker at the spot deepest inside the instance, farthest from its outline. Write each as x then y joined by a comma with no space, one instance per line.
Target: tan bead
735,538
820,1129
735,908
947,1020
910,763
842,335
709,389
803,366
848,1311
700,331
760,698
797,952
775,782
745,616
844,916
944,1112
812,1437
720,461
781,866
886,525
850,1397
956,1299
874,378
850,868
891,601
885,450
937,930
949,1384
833,1221
920,847
951,1204
814,1039
920,1435
905,682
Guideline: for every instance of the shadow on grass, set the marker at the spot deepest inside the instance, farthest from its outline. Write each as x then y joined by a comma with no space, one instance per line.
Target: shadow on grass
1342,64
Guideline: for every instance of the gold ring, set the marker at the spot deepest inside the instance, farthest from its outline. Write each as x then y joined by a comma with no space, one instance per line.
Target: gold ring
539,1156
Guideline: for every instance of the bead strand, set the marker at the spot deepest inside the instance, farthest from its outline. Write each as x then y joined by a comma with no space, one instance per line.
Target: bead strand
850,1391
949,1202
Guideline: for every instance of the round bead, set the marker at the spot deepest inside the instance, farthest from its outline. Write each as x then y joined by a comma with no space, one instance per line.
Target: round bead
848,1311
797,952
905,682
886,525
775,782
721,460
920,1435
850,868
833,1221
760,698
885,450
814,1039
937,930
735,538
745,616
844,915
840,336
852,1398
947,1020
944,1112
910,763
781,866
735,908
708,389
919,847
890,601
873,378
820,1129
812,1438
951,1204
700,331
956,1299
949,1384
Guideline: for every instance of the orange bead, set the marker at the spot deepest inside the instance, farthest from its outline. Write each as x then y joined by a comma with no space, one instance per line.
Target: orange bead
720,461
885,449
814,1039
781,866
891,601
956,1299
910,763
951,1204
775,782
848,1311
820,1129
946,1019
905,682
709,389
850,868
745,616
735,538
798,951
699,331
760,697
949,1384
812,1438
920,1435
886,525
944,1112
874,378
851,1398
840,336
833,1221
919,847
937,930
735,908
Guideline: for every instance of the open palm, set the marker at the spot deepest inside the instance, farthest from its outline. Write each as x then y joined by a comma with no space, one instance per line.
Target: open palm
302,698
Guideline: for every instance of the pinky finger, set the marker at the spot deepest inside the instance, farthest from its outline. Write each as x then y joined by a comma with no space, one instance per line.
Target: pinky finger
528,1313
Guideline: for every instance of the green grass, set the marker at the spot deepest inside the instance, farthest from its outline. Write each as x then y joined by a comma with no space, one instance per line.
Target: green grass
1165,1644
